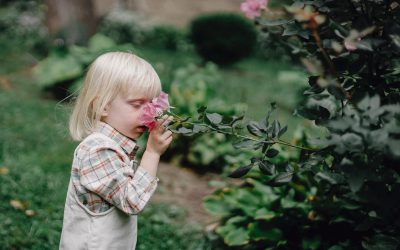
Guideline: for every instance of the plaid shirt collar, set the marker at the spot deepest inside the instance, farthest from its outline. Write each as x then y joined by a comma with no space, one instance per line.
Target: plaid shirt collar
128,145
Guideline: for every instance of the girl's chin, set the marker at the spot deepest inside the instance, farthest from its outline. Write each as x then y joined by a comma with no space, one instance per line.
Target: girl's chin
140,129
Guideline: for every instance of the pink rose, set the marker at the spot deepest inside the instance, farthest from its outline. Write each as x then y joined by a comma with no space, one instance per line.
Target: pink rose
252,7
149,115
153,109
161,102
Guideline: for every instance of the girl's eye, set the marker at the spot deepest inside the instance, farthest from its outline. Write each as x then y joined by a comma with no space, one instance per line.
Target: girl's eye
137,105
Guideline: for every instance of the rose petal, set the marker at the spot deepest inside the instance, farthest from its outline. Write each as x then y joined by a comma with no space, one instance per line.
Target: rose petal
161,102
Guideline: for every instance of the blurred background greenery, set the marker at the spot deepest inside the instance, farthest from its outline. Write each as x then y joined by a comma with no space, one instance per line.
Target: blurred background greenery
202,58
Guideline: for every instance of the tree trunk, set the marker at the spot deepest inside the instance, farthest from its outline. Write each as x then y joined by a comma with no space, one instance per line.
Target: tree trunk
74,21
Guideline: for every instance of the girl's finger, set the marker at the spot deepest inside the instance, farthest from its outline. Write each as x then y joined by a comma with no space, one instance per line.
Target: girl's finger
166,135
163,122
167,120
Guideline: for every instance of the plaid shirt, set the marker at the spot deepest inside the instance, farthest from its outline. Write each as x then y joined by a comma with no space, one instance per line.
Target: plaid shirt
105,174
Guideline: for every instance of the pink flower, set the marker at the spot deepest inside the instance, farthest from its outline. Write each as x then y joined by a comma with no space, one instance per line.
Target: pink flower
155,108
252,7
148,118
161,102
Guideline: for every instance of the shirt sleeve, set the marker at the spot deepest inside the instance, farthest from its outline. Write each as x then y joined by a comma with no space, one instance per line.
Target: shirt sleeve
104,172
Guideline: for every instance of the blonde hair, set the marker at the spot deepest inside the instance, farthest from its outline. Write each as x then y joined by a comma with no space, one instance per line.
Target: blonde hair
110,74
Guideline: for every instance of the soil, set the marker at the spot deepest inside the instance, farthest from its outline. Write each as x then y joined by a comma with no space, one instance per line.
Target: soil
186,188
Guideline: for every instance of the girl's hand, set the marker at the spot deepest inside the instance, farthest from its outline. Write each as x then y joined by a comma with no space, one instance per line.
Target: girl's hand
160,138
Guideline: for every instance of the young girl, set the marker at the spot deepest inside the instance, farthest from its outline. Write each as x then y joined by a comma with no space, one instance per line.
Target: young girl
108,189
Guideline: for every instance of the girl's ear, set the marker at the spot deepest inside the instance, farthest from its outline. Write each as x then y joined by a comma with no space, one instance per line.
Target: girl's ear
104,112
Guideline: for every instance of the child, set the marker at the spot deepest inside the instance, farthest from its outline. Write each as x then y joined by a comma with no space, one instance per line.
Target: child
107,188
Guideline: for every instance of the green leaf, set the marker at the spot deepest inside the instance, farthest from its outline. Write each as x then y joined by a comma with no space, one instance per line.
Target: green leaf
337,92
295,29
271,153
254,128
274,22
311,243
282,178
266,120
275,128
56,69
352,142
236,119
245,143
214,118
282,131
264,214
100,42
216,206
396,40
233,236
240,171
355,181
201,112
257,232
267,167
332,178
381,242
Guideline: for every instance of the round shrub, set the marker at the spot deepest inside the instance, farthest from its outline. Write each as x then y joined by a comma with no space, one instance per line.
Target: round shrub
223,38
167,37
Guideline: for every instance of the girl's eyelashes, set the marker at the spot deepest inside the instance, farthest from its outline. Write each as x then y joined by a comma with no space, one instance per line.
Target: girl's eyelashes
137,104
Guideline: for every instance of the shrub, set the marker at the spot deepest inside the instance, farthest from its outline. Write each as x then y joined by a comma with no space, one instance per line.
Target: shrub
223,38
344,193
124,26
22,28
167,37
62,72
192,87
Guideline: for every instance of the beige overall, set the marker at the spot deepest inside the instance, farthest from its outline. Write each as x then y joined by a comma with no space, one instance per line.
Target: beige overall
83,229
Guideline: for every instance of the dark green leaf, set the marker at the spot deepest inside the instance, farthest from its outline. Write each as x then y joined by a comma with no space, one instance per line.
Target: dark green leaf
240,171
201,111
275,128
254,128
233,235
282,131
214,118
236,119
282,178
381,242
267,168
337,92
355,181
216,206
272,153
332,178
246,143
258,232
274,22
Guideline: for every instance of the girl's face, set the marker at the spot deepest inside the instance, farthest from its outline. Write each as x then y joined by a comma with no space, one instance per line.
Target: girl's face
124,114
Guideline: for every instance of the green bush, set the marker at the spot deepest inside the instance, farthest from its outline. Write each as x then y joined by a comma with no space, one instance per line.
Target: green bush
62,72
223,38
124,26
192,87
167,37
22,28
343,194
